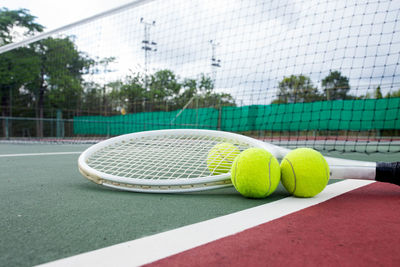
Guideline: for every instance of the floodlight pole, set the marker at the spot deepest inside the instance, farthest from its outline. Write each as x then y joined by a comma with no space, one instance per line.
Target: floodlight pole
215,63
148,46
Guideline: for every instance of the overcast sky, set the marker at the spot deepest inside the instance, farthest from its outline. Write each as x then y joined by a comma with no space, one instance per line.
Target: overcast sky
56,13
260,42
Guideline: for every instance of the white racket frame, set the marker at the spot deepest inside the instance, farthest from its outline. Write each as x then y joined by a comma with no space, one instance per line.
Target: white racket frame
169,185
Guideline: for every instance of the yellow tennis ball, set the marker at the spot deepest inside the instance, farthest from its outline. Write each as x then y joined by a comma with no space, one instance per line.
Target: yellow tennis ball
123,111
305,172
220,158
255,173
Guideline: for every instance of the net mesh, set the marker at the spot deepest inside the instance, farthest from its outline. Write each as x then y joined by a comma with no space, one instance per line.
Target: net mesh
316,73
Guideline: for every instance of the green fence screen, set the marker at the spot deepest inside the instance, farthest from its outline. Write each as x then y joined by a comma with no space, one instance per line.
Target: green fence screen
353,115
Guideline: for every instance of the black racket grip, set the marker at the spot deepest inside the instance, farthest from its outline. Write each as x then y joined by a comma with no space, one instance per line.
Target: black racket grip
388,172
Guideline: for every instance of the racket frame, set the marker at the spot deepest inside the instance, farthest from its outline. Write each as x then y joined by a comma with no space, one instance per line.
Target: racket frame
166,185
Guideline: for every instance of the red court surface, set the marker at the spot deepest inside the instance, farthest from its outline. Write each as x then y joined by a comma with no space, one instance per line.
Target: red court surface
359,228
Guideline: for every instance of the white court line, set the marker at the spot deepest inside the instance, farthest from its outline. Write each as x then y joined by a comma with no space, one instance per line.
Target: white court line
38,154
148,249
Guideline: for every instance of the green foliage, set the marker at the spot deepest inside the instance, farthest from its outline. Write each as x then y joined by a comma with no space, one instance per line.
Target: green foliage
61,70
297,88
129,93
17,67
91,100
12,19
335,86
393,94
378,93
50,74
201,93
206,85
163,85
163,91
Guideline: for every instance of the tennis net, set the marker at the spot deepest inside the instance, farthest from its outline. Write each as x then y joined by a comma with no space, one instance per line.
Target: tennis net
317,73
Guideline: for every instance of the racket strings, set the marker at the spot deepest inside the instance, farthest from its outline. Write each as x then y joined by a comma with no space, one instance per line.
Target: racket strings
194,154
171,168
159,157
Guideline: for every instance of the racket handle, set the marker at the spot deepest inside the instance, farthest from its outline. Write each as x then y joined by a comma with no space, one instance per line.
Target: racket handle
388,172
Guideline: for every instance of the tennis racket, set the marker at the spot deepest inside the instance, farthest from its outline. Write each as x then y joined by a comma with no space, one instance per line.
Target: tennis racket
172,161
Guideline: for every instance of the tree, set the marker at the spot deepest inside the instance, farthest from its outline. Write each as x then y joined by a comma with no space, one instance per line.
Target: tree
137,91
12,22
17,69
130,93
335,86
199,88
92,98
161,91
18,66
393,94
206,85
58,81
295,89
216,100
98,98
202,91
164,85
378,93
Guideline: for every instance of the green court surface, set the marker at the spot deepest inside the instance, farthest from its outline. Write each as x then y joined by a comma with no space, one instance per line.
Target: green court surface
49,211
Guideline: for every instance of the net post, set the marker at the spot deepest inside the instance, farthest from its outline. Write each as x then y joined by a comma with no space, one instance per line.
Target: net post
7,134
219,117
59,124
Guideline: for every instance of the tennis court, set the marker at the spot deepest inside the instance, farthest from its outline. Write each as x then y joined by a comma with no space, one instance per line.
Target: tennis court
163,95
50,212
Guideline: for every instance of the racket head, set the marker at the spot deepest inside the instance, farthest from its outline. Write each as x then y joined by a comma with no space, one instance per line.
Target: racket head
166,161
